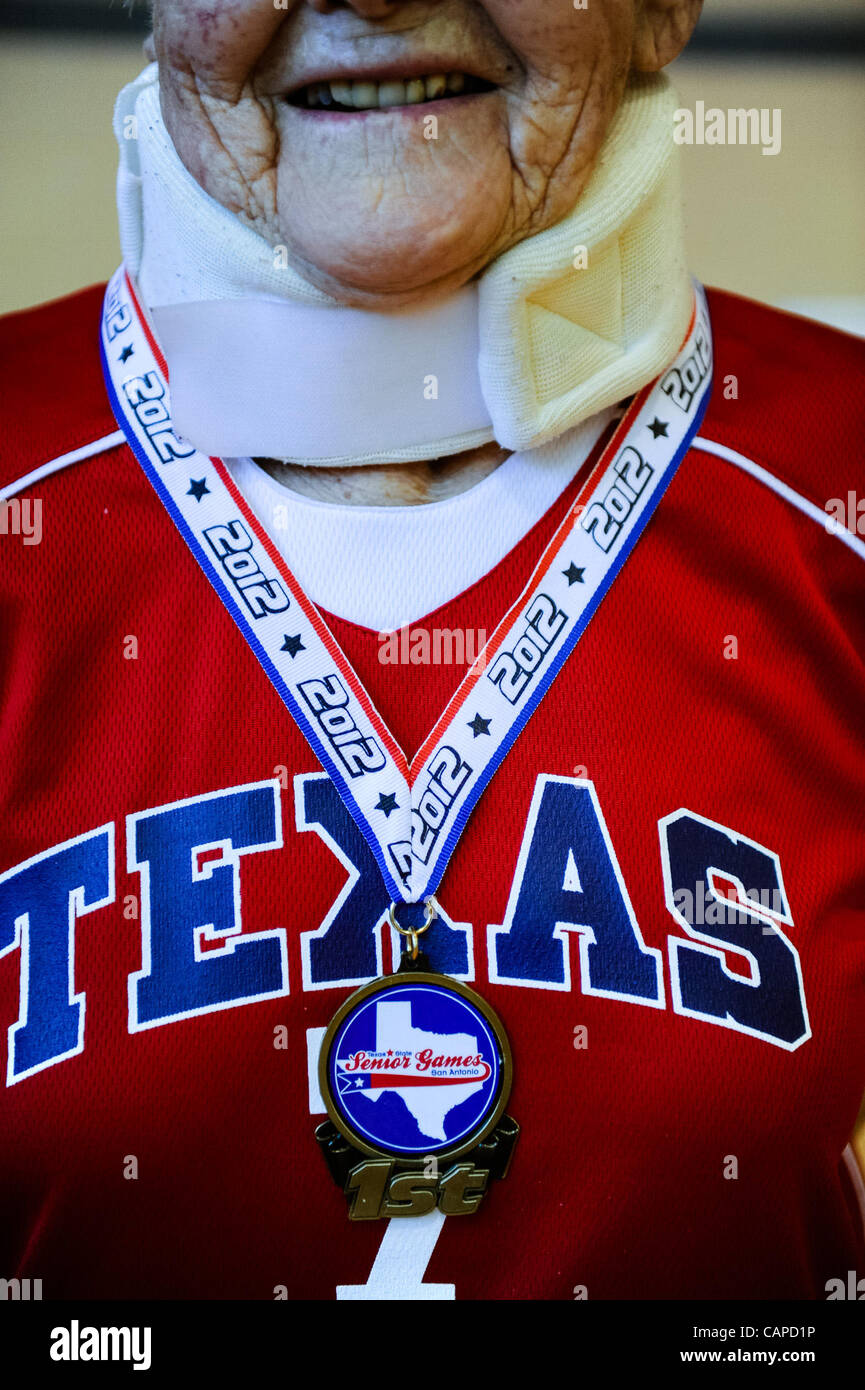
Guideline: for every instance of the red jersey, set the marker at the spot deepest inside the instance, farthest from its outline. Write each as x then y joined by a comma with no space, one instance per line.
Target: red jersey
661,891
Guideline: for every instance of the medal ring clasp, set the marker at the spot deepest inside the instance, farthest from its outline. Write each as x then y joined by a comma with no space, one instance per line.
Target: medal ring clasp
431,912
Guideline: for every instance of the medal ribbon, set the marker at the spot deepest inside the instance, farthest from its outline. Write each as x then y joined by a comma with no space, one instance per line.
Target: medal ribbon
411,814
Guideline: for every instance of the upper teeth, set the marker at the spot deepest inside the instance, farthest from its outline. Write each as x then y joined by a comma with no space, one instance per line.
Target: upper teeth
365,95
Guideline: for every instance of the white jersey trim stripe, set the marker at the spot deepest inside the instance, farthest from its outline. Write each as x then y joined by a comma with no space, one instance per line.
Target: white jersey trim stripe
98,446
829,524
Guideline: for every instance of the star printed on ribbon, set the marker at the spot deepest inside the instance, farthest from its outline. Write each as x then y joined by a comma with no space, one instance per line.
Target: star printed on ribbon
479,726
197,488
573,574
292,645
387,803
659,427
126,354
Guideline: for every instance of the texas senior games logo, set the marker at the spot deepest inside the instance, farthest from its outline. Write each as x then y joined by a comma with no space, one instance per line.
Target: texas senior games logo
415,1064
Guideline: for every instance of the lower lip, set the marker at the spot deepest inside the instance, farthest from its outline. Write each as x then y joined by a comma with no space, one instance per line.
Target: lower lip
418,110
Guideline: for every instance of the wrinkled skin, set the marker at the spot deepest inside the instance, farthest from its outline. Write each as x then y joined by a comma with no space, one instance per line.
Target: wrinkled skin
369,209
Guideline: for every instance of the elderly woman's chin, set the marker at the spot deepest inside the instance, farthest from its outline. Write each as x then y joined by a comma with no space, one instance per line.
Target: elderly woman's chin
379,216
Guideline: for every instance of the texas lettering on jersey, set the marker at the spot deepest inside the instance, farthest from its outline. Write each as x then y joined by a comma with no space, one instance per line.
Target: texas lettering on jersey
188,856
659,889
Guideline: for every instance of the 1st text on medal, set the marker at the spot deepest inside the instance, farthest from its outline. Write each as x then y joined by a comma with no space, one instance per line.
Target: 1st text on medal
378,1188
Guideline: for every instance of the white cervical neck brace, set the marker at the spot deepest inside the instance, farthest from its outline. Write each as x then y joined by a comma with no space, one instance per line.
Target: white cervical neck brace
262,363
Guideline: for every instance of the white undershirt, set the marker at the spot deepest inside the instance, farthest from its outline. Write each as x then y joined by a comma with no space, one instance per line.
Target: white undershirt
384,567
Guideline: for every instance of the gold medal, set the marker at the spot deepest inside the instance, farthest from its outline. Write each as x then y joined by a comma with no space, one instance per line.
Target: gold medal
415,1072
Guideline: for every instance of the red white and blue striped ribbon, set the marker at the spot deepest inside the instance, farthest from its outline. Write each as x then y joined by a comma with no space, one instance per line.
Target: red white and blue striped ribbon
411,813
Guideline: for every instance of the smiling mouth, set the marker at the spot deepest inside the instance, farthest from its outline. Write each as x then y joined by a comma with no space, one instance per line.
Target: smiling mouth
366,95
